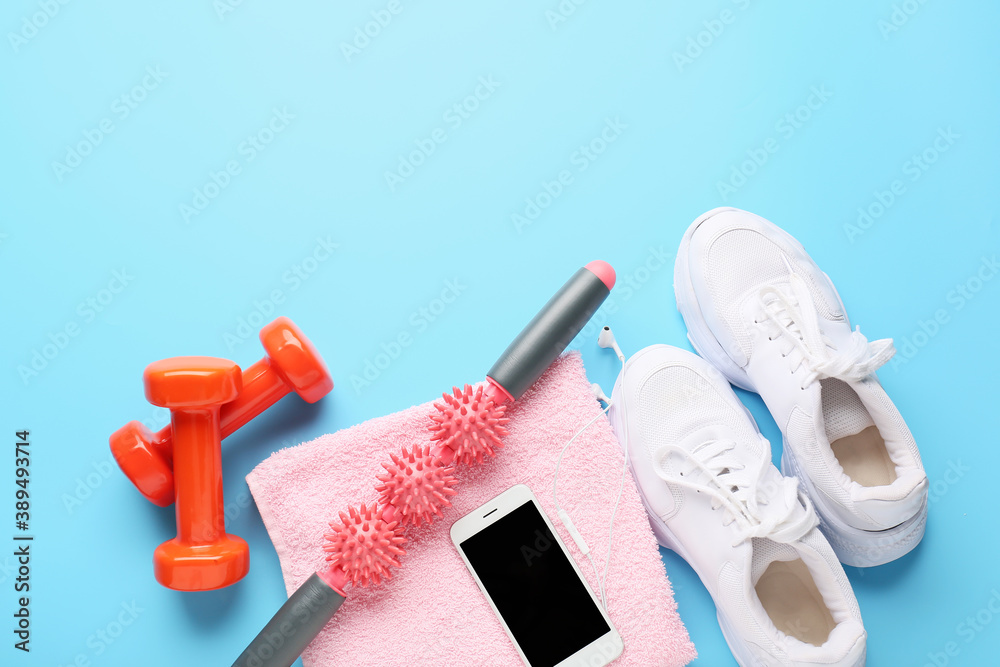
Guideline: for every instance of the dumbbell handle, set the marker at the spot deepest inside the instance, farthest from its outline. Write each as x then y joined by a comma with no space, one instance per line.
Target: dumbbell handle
263,386
200,510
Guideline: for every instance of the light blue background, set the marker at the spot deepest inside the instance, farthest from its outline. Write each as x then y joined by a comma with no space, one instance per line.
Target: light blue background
688,127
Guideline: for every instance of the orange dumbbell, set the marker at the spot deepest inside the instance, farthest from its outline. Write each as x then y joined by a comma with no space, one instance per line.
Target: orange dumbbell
291,363
202,557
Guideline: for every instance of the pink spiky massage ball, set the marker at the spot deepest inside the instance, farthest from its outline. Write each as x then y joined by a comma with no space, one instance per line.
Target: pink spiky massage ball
469,423
364,546
417,485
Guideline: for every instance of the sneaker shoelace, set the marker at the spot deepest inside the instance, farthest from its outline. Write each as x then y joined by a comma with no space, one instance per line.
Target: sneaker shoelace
797,325
776,511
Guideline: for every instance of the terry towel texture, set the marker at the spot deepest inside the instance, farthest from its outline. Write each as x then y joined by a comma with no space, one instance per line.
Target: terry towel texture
431,612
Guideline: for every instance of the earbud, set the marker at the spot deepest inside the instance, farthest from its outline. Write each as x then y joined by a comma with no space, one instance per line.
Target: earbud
606,339
598,393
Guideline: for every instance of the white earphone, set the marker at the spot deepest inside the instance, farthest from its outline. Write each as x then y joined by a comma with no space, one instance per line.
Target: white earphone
598,393
605,339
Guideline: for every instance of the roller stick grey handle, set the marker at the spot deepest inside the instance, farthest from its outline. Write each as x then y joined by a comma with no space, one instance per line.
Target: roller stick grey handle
295,625
552,329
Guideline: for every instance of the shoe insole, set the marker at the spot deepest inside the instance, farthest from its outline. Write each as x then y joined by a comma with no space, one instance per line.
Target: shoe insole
791,599
854,437
864,458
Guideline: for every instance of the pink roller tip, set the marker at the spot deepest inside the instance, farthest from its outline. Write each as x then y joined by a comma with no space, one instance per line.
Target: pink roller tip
469,423
603,271
334,578
363,546
496,393
416,485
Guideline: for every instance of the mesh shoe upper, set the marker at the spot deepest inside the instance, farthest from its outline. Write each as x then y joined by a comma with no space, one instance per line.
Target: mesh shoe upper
705,476
781,330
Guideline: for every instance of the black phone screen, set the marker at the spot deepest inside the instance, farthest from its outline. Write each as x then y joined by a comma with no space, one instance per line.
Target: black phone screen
533,585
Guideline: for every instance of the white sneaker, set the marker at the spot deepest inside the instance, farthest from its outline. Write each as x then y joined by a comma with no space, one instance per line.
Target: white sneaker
759,309
704,473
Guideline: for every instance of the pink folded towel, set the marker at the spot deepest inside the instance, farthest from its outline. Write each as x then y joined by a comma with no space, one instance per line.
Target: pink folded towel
431,612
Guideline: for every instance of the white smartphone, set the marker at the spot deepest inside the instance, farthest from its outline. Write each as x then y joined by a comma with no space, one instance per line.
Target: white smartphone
533,584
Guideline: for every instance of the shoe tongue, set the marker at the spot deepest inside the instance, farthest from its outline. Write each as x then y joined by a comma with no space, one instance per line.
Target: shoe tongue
833,326
745,451
832,322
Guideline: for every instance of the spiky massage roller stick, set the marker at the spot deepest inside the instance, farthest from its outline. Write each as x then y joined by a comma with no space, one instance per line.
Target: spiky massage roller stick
466,428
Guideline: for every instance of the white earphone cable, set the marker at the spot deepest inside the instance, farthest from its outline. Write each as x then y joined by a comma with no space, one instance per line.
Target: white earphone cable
563,515
614,512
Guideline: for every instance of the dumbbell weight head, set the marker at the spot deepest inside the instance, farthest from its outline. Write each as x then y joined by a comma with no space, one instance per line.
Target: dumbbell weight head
291,363
181,383
145,460
294,357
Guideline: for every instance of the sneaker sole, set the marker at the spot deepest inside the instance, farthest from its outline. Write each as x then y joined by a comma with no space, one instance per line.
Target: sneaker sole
853,546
